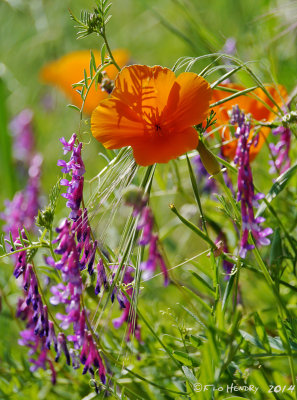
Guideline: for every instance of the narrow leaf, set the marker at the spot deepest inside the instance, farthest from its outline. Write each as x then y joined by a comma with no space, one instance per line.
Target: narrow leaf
261,332
103,51
278,186
189,374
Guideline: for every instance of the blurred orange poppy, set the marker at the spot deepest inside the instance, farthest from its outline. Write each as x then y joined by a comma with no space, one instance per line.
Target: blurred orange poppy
69,69
153,111
250,105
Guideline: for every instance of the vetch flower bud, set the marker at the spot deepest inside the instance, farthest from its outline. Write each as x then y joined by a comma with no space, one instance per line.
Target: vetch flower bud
208,159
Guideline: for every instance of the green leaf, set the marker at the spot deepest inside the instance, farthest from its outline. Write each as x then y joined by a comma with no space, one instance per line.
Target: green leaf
193,316
278,186
198,298
185,359
261,332
233,397
85,78
253,340
73,107
195,341
283,335
103,51
189,374
228,290
106,10
93,61
276,250
201,280
274,342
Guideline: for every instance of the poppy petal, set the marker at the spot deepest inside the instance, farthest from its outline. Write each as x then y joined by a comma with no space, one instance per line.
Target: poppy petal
152,111
162,149
69,69
188,101
144,88
115,125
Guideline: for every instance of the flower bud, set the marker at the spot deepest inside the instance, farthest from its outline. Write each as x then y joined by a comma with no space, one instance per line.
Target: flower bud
208,159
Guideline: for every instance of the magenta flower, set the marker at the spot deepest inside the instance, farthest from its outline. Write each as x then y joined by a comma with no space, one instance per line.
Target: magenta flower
281,150
23,136
246,194
77,169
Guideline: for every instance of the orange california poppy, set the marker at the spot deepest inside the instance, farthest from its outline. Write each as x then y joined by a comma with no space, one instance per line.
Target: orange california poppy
69,69
250,105
153,111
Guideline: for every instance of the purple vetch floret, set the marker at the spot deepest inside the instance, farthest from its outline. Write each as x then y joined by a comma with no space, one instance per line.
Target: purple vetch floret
246,194
90,357
154,259
62,347
146,224
128,314
77,169
68,146
281,150
51,337
101,278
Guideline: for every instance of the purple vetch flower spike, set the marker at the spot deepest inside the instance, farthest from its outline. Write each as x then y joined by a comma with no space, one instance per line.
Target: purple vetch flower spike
149,267
23,137
146,223
77,169
22,209
246,193
281,150
128,314
209,184
90,357
134,197
230,46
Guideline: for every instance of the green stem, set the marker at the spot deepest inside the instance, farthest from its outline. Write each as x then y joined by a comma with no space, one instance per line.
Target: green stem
283,311
196,193
219,177
152,331
109,50
99,70
193,227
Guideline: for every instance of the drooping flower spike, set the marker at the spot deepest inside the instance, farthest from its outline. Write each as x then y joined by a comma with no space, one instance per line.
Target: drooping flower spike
69,69
246,194
280,151
249,105
153,111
